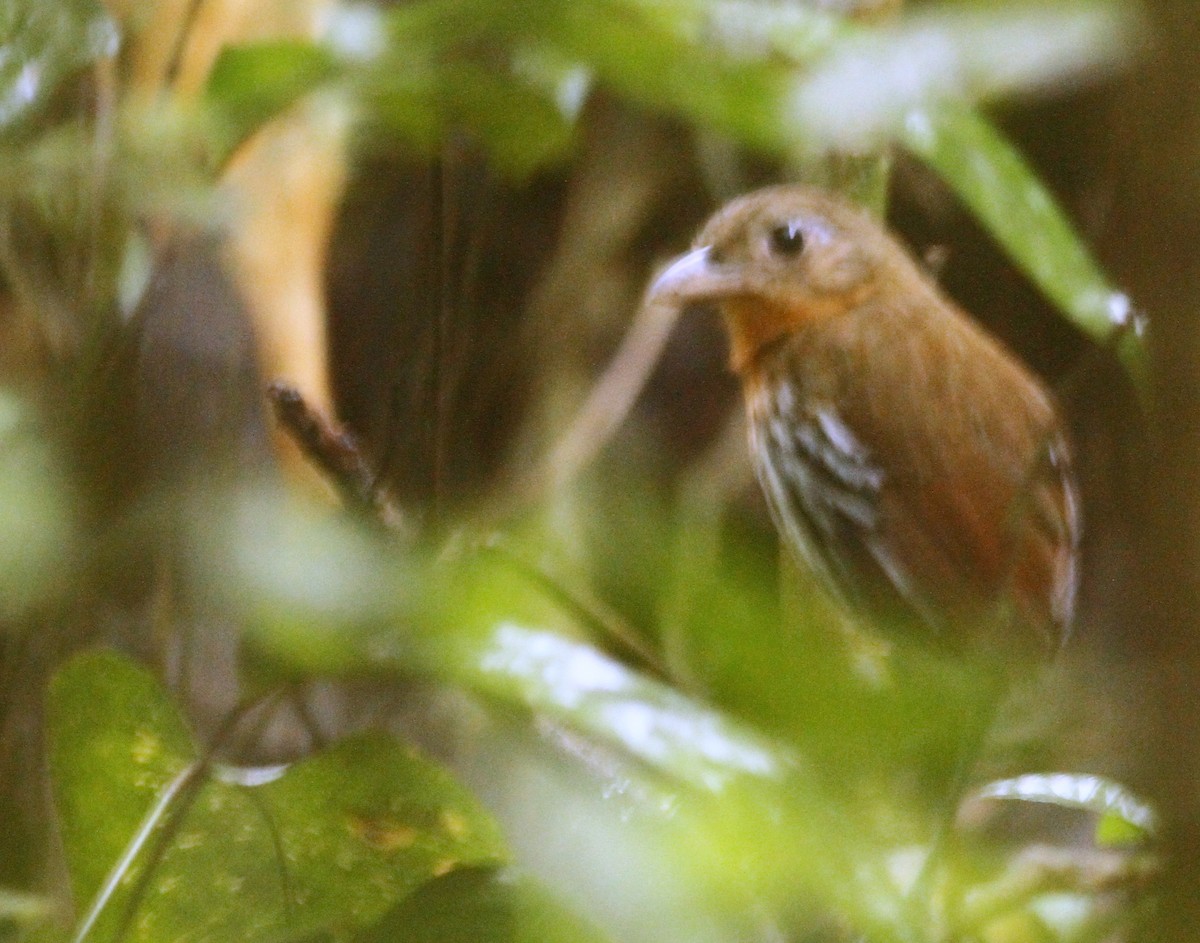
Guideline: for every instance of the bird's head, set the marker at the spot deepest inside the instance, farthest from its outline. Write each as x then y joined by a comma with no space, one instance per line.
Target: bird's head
779,259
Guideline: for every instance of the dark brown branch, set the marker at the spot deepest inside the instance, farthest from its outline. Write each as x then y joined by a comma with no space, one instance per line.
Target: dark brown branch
335,451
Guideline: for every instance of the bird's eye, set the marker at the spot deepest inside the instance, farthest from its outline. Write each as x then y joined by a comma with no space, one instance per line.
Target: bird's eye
787,239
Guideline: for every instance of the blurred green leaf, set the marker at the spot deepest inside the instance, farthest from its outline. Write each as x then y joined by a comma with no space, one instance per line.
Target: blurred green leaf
402,67
725,793
41,45
638,51
36,527
484,907
333,841
860,93
251,84
1116,831
519,126
660,55
575,683
19,908
1123,818
303,578
1008,199
430,29
742,802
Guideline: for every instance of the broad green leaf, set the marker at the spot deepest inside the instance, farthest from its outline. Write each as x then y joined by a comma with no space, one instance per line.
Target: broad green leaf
430,29
485,907
726,795
41,45
575,683
1008,199
115,742
1123,818
366,823
331,842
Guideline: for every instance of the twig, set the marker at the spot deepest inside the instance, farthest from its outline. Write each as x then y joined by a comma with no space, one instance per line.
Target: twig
615,393
334,451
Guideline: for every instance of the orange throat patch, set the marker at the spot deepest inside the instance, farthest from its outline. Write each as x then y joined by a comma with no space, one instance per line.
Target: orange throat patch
754,322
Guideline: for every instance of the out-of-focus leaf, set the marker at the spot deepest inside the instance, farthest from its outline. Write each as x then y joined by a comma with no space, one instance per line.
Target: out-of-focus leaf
366,823
651,64
1124,818
861,92
521,128
1009,200
429,29
741,797
482,906
303,579
576,684
753,30
19,908
42,44
251,84
35,515
332,842
635,48
725,793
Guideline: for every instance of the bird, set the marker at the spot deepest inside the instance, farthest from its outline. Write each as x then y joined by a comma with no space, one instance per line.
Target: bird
910,461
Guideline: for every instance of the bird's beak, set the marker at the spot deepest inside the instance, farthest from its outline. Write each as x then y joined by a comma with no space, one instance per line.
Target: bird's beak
692,277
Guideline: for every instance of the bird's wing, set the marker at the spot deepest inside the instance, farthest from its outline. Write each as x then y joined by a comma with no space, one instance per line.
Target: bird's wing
955,505
825,491
898,536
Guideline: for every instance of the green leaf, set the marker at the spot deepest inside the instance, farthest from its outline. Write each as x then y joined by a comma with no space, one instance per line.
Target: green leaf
41,45
521,128
252,84
858,95
306,582
115,742
644,58
366,823
485,907
1116,831
737,799
1008,199
1124,818
649,720
331,842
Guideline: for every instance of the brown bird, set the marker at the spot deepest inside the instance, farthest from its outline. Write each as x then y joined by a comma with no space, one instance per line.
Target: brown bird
909,460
